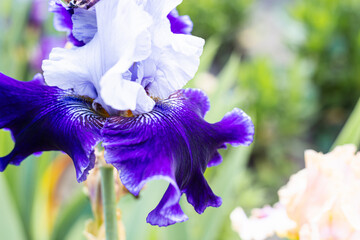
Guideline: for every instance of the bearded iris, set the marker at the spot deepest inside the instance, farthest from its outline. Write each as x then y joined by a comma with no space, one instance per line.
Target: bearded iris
122,87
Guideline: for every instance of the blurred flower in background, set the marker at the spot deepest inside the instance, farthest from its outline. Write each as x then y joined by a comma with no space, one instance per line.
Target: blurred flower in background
323,199
319,202
43,48
38,12
263,223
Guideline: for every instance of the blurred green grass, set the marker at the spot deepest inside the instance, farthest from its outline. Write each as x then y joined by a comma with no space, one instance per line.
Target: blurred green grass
300,104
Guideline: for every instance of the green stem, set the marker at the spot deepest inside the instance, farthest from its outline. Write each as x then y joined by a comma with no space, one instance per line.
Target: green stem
109,203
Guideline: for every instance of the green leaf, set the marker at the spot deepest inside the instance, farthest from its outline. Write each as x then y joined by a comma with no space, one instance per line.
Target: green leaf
210,49
351,131
70,214
223,100
6,144
134,211
10,223
222,184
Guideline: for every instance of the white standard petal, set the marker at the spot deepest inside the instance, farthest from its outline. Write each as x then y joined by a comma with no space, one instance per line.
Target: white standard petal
84,24
122,94
121,40
124,39
143,46
159,9
120,23
176,64
176,56
73,69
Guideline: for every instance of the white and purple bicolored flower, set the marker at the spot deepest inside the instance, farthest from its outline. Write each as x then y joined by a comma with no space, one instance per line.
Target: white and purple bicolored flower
132,60
130,55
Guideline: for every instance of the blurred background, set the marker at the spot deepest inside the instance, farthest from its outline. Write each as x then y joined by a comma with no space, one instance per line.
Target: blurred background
293,66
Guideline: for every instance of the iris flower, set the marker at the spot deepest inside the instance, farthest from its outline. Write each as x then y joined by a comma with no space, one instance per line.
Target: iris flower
123,88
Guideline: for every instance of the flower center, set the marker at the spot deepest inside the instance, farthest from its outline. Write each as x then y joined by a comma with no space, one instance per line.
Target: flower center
100,110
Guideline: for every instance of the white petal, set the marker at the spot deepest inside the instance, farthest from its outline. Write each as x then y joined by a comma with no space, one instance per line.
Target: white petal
143,46
160,8
120,23
76,68
176,64
84,24
127,33
122,94
122,39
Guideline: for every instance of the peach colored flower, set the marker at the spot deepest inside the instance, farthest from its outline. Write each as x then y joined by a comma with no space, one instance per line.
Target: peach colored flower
324,198
263,222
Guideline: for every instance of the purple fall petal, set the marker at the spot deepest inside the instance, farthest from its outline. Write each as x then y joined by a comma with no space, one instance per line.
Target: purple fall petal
43,118
173,142
180,24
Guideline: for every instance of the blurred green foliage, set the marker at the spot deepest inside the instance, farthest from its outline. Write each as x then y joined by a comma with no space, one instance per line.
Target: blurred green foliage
222,19
211,17
332,45
298,105
283,102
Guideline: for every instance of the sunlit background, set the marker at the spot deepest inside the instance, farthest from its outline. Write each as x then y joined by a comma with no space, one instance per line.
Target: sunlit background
293,66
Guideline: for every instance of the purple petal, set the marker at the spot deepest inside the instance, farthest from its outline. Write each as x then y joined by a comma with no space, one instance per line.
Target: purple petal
180,24
63,21
168,211
43,118
62,16
173,142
